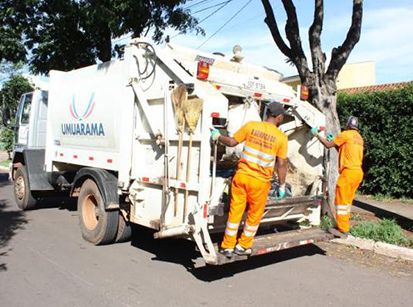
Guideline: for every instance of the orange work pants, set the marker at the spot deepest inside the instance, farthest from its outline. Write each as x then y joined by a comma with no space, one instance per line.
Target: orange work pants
347,184
245,189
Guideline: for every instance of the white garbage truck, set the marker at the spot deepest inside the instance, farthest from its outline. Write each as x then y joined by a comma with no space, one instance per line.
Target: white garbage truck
130,139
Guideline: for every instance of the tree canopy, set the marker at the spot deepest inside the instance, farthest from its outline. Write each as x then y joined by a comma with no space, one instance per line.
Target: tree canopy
10,94
68,34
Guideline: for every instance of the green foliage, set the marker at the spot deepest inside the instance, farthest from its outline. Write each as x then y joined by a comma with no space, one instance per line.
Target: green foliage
69,34
384,231
326,222
387,128
10,95
5,163
6,139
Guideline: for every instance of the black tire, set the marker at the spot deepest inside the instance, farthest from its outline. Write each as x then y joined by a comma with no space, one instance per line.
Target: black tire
24,197
97,225
124,230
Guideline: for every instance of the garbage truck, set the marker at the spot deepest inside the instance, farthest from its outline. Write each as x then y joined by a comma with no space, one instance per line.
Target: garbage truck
130,140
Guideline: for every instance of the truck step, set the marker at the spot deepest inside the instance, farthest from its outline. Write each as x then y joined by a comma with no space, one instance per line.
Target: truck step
278,241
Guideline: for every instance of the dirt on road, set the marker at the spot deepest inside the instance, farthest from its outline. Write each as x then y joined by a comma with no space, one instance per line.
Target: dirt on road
368,259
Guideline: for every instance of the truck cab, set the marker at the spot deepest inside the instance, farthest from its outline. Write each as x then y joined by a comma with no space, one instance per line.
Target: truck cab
28,155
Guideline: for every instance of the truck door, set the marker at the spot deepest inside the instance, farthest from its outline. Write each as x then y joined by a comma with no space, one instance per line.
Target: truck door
22,120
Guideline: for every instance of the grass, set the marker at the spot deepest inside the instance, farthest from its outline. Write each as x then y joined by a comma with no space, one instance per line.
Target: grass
382,197
5,163
326,222
385,230
406,200
356,217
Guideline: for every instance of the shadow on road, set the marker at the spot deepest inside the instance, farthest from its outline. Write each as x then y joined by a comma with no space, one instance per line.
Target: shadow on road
4,179
212,273
183,252
11,221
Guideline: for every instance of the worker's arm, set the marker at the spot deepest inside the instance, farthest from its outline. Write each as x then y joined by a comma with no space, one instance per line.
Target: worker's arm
227,141
327,144
281,165
239,136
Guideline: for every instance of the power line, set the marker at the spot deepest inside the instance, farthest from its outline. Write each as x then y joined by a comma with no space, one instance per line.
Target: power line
223,3
227,22
195,4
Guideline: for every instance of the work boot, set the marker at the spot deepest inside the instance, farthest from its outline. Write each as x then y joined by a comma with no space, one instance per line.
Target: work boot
337,233
239,250
227,252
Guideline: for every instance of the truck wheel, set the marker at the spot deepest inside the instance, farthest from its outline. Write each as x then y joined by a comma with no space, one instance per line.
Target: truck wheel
98,226
22,193
124,230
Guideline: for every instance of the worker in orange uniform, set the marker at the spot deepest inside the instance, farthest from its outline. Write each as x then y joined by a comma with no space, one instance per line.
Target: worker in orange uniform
265,146
350,145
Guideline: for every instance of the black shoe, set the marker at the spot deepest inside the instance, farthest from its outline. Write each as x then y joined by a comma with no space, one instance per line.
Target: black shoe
337,233
227,252
239,250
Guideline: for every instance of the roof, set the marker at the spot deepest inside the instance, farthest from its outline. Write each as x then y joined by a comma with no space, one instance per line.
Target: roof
376,88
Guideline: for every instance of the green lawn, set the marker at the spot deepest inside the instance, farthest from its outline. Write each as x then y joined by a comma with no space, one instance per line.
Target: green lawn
5,163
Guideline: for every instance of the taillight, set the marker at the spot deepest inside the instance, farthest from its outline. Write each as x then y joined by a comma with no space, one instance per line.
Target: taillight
304,92
203,70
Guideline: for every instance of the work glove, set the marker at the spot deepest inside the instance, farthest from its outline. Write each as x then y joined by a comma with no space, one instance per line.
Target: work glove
281,192
330,137
314,130
215,134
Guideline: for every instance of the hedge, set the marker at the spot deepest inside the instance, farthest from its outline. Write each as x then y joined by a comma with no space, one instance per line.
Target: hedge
386,124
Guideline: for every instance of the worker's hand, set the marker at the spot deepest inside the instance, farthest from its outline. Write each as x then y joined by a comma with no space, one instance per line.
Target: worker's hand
281,192
215,134
315,130
330,137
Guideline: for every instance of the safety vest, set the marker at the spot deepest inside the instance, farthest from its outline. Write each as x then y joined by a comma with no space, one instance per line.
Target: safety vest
263,142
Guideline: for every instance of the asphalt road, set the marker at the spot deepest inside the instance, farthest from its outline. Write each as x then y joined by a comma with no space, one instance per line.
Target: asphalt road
45,262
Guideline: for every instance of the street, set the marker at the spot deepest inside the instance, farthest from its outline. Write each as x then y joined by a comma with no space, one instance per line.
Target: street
45,262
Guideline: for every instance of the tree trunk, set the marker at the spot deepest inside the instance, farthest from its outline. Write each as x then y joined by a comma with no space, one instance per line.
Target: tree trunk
326,103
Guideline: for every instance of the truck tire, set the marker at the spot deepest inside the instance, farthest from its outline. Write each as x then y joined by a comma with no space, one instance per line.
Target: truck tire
24,197
124,230
97,225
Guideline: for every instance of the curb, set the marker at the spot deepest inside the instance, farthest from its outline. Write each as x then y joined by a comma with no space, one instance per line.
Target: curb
381,248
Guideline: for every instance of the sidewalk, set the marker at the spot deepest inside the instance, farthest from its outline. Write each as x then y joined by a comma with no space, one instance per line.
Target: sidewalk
393,209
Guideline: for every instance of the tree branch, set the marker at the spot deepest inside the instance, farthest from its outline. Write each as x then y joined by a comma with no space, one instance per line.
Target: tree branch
340,54
272,25
314,33
293,35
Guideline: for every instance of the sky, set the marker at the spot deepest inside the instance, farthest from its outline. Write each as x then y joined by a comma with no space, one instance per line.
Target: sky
386,37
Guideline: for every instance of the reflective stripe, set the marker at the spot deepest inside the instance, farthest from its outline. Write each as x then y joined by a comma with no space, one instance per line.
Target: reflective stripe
249,233
257,161
341,212
345,207
252,228
231,232
232,225
258,153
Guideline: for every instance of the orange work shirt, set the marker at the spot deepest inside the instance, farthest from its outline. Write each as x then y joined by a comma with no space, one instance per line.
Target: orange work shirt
350,147
263,142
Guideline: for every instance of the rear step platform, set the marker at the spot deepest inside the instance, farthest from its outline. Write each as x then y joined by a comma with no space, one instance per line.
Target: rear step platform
278,241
